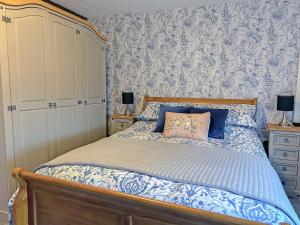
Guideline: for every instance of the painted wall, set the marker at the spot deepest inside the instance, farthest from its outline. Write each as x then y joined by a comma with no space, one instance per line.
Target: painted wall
241,50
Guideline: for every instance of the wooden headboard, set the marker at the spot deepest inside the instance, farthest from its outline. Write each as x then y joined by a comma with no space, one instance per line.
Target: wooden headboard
217,101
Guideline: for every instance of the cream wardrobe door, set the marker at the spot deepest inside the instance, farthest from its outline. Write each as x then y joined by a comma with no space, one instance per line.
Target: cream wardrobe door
62,45
27,44
94,88
82,138
102,71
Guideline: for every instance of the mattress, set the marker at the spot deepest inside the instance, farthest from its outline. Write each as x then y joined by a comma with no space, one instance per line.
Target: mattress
196,196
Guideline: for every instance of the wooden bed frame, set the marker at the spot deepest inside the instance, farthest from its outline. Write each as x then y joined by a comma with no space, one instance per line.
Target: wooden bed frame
43,200
215,101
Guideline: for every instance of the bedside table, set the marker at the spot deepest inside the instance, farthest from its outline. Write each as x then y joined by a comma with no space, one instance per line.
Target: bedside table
284,146
121,122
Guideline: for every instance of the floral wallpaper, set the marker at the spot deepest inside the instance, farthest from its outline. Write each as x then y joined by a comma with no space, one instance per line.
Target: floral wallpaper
242,50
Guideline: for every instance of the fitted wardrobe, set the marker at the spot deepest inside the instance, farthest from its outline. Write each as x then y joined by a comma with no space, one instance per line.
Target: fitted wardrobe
52,86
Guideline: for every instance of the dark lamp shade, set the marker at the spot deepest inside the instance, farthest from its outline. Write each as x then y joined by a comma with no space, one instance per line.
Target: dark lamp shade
127,97
285,103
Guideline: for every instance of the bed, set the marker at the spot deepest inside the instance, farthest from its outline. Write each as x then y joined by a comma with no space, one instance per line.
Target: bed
67,192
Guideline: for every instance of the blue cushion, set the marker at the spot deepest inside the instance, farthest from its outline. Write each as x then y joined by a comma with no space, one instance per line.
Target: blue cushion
160,124
217,121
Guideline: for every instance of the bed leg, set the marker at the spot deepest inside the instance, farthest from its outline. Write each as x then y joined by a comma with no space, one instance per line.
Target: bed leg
127,220
20,206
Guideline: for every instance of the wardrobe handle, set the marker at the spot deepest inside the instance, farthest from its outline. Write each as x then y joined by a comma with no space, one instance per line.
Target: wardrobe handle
85,102
12,108
79,102
54,105
50,105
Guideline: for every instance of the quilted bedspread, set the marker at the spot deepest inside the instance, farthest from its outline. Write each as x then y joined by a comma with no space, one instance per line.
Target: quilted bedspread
193,195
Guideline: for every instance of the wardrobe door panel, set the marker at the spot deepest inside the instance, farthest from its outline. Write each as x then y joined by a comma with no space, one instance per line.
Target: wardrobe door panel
32,145
94,88
93,67
81,125
94,122
66,132
103,92
26,39
62,45
63,60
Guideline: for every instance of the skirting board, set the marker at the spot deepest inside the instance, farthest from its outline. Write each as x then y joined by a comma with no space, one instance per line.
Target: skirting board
3,217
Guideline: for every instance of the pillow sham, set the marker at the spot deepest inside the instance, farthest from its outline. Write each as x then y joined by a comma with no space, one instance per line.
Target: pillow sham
150,113
162,115
238,114
217,121
242,116
193,126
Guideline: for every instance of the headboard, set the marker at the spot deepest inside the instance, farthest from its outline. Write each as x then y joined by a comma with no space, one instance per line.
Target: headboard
217,101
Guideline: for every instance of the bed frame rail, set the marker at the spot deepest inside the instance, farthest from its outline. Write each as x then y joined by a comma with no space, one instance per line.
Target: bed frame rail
44,200
216,101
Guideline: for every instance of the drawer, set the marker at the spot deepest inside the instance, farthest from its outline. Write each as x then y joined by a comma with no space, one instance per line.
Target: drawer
288,183
121,121
287,140
291,154
121,125
286,169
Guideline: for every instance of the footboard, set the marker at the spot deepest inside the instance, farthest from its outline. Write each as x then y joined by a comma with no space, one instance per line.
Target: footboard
44,201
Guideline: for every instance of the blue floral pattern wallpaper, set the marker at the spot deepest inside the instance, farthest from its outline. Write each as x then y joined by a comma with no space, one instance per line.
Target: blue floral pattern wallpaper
242,50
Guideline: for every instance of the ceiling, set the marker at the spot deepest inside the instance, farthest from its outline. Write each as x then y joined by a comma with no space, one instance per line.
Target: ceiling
93,8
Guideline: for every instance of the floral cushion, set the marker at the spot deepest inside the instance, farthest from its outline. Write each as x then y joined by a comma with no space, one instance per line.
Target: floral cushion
162,115
182,125
239,114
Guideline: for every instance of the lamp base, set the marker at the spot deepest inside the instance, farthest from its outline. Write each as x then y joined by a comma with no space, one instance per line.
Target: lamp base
285,122
127,111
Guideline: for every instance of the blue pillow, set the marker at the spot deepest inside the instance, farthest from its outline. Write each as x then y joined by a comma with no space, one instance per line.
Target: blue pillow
217,121
160,124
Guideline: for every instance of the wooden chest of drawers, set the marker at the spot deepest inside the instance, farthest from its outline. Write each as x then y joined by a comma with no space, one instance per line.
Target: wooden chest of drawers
284,146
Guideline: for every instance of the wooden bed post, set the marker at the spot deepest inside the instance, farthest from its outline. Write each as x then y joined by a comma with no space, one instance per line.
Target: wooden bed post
20,206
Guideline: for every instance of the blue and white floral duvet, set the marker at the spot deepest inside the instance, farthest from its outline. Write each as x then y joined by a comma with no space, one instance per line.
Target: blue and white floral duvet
196,196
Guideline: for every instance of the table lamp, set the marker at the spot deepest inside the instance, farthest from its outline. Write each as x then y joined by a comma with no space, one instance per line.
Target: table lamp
285,104
127,99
